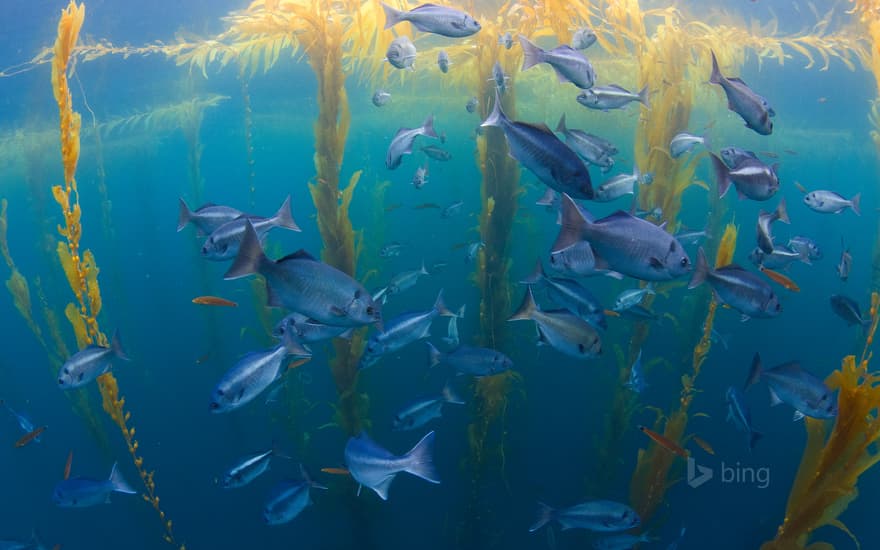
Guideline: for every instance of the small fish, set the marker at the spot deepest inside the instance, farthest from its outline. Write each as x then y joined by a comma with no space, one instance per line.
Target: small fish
25,424
754,109
806,246
451,210
752,178
560,329
403,140
442,20
848,309
781,257
703,444
593,149
89,363
392,249
393,207
684,142
471,361
636,381
401,53
829,202
405,280
381,98
800,187
246,470
605,98
733,156
506,40
623,541
621,184
569,64
583,38
33,435
780,279
472,104
665,442
443,61
207,218
500,78
738,288
81,492
632,297
569,294
288,499
738,412
692,237
375,468
472,250
420,178
844,266
426,205
437,153
765,220
421,412
202,358
791,384
225,241
451,337
68,464
604,516
213,301
336,471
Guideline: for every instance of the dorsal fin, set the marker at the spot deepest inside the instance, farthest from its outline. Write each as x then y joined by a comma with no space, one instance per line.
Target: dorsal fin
300,254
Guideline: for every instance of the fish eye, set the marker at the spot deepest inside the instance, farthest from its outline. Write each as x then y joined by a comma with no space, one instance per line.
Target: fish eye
684,262
370,310
357,294
214,405
60,381
221,393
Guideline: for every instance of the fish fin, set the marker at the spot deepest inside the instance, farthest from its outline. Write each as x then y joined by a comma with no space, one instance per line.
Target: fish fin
434,355
536,276
497,116
743,318
449,395
753,438
382,487
313,484
118,483
545,515
347,334
782,212
420,462
774,398
798,415
560,127
441,307
185,215
300,254
532,54
722,174
338,312
392,17
526,309
250,257
754,372
655,263
549,194
643,97
272,299
284,217
561,77
716,77
116,346
428,125
422,270
856,200
573,224
701,270
292,345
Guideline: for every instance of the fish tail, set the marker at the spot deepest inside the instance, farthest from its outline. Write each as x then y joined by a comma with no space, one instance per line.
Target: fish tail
420,460
496,117
308,479
185,215
753,438
643,97
291,344
536,276
434,355
250,256
116,346
392,16
572,226
428,129
532,54
441,307
545,515
855,204
422,269
754,372
526,309
284,217
118,483
701,270
560,127
722,174
782,212
450,396
716,77
549,194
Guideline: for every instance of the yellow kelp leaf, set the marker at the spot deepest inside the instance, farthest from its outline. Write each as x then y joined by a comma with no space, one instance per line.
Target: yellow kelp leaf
79,326
727,246
94,292
67,264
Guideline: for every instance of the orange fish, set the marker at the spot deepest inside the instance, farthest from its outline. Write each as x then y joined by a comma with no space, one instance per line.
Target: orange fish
28,437
779,278
611,313
214,301
298,363
800,187
336,471
704,445
665,442
68,465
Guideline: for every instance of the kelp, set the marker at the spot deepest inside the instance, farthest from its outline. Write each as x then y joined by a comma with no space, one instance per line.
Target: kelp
834,460
79,266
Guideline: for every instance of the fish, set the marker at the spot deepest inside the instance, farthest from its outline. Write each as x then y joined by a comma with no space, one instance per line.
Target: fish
303,284
25,424
33,543
755,111
560,329
569,64
443,61
336,471
738,288
405,280
452,210
738,412
426,206
624,244
677,542
752,178
225,241
684,142
780,258
437,153
848,309
33,435
451,337
401,53
500,78
402,330
733,156
665,442
691,237
288,498
595,150
381,98
703,444
621,184
213,301
638,312
636,381
393,207
420,178
253,373
68,464
81,492
375,468
794,386
471,361
430,18
89,363
844,265
623,541
578,260
542,153
606,98
246,470
769,154
632,297
765,220
569,294
422,411
472,250
829,202
604,516
506,40
391,249
403,140
207,218
806,246
583,38
780,279
471,105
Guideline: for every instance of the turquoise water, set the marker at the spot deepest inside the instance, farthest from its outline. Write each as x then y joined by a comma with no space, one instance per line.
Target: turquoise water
555,422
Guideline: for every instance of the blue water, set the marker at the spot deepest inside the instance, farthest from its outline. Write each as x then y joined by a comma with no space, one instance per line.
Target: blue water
556,419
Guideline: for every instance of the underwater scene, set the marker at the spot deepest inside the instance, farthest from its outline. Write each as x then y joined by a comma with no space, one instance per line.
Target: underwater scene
341,274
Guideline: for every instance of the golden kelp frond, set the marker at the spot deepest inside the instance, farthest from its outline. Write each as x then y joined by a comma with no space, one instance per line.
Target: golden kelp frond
727,247
164,118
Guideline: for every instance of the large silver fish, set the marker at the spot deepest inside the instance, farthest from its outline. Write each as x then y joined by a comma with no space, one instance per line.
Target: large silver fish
792,385
560,329
569,294
303,284
403,140
431,18
829,202
765,220
544,154
605,98
375,468
207,218
740,289
89,363
224,242
752,178
742,100
570,65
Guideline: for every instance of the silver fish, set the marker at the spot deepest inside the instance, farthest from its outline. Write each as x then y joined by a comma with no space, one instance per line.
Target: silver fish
636,381
472,104
224,242
381,98
780,258
569,294
471,361
375,468
592,149
738,288
742,100
89,363
451,337
604,516
684,142
844,265
691,237
307,331
583,38
738,413
632,297
82,492
246,470
829,202
443,61
806,246
500,78
391,249
419,413
401,53
442,20
472,250
24,423
451,210
792,385
420,178
733,156
207,218
288,499
570,65
405,280
437,153
403,140
560,329
506,40
765,220
303,284
848,309
751,177
621,184
605,98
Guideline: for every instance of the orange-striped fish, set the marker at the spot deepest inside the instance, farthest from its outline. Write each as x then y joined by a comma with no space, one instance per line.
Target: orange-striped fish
336,471
779,278
704,444
665,442
611,313
213,301
30,436
68,465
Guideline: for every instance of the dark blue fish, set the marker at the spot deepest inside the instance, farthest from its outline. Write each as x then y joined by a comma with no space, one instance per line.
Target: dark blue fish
733,156
752,178
604,516
288,498
569,294
470,360
754,109
82,492
740,289
738,412
792,385
848,309
636,380
207,218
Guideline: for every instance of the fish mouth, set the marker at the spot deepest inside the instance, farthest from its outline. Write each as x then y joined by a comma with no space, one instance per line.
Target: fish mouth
214,406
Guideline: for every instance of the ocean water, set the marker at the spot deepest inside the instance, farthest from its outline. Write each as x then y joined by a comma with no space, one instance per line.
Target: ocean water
555,428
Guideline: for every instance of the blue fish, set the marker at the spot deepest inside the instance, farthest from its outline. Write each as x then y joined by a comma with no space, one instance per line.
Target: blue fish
738,412
742,100
24,422
792,385
636,380
470,360
375,468
596,515
82,492
288,498
89,363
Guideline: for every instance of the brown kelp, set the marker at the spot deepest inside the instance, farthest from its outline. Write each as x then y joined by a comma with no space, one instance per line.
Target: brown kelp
80,268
